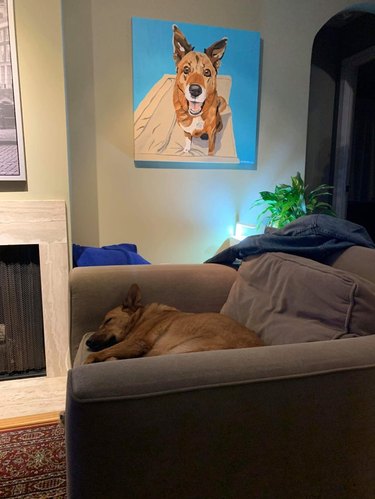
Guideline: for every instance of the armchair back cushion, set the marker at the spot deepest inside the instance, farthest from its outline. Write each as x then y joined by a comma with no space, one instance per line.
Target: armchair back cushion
289,299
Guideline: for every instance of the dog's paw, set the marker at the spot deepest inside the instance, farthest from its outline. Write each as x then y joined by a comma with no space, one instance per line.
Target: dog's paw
90,359
94,357
187,145
110,359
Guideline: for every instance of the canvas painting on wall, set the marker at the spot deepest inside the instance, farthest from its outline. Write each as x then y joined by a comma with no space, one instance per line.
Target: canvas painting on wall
12,158
195,95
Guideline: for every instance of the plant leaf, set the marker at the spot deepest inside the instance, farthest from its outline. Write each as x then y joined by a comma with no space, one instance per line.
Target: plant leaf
289,202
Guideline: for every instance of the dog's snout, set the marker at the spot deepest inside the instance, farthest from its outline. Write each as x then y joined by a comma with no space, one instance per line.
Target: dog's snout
195,90
98,341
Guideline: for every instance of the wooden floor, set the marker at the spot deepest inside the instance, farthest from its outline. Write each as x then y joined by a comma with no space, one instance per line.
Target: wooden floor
36,419
31,401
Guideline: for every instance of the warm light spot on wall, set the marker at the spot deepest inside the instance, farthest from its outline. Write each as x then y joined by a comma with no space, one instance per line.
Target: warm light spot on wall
244,230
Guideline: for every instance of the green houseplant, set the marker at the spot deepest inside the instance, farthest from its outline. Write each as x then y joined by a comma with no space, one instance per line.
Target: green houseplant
289,202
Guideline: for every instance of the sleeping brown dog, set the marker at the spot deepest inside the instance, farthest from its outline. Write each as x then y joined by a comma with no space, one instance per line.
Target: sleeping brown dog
195,98
134,330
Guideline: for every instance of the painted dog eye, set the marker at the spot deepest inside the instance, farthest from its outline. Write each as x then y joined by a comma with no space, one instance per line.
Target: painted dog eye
207,72
186,70
107,320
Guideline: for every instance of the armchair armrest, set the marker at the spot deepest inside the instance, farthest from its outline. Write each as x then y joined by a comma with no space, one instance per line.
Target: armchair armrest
282,421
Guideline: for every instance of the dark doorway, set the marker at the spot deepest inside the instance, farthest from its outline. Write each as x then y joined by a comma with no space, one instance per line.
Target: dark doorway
361,185
340,143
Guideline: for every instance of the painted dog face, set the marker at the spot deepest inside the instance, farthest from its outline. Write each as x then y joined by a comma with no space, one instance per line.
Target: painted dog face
196,77
196,71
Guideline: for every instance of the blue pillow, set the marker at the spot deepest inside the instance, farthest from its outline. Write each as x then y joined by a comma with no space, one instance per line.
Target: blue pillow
115,254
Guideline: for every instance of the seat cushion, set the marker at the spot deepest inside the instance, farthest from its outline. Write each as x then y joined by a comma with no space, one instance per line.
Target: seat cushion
290,299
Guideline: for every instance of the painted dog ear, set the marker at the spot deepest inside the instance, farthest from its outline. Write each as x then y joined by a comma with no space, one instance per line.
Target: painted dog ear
216,52
133,298
180,44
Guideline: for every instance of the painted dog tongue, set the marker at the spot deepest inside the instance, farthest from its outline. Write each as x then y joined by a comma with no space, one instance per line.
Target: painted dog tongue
195,106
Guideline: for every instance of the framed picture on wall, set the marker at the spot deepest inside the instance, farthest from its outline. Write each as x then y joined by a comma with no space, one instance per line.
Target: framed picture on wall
12,157
195,95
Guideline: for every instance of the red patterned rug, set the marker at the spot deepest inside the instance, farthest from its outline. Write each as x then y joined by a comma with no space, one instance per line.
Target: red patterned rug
32,462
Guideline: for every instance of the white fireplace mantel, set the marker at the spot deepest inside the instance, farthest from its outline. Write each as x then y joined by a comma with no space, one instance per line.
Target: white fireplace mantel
44,223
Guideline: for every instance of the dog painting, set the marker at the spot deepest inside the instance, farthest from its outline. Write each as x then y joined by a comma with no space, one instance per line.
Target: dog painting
135,330
195,99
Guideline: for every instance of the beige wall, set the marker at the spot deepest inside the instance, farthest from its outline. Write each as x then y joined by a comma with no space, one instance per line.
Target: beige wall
177,215
41,73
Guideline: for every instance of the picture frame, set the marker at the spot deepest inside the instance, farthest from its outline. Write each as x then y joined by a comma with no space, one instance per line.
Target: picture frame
168,136
12,154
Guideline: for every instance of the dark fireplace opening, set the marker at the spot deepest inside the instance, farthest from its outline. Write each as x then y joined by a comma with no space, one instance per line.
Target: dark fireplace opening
22,351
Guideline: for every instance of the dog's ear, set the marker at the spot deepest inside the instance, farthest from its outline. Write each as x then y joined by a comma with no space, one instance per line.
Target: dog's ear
180,45
216,52
133,298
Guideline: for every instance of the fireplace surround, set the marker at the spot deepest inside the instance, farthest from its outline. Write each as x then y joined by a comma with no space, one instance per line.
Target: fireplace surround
44,223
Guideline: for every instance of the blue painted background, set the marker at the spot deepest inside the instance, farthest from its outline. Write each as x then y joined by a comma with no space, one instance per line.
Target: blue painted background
153,57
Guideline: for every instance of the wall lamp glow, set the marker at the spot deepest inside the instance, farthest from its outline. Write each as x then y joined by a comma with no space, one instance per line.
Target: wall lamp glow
244,230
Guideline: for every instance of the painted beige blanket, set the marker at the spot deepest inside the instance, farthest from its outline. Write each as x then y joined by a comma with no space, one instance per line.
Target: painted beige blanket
158,137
